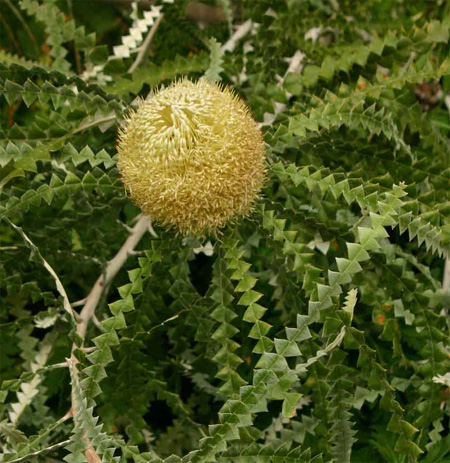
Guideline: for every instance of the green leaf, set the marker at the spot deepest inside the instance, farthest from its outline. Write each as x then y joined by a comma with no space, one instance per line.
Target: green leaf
249,297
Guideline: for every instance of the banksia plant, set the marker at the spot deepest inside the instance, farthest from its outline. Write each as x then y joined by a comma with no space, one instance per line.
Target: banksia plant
317,331
192,157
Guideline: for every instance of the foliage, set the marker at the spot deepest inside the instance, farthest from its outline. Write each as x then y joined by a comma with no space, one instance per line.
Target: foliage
315,330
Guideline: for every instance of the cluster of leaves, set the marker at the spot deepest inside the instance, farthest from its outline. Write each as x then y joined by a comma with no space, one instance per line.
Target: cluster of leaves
315,331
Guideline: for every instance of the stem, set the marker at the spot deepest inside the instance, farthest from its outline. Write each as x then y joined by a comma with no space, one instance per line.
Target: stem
91,302
110,272
93,123
49,429
77,52
29,456
90,452
146,44
446,281
11,35
25,25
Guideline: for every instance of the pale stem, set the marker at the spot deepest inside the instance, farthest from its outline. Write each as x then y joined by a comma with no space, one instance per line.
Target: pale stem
146,44
114,265
92,300
94,123
446,282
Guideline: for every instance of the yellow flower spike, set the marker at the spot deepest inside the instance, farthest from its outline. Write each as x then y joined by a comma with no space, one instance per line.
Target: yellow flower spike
192,157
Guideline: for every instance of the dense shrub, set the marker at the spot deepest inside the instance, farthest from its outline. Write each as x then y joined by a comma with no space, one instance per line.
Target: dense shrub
314,330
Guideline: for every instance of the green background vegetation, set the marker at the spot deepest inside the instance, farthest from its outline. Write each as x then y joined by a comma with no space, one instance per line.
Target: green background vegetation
318,329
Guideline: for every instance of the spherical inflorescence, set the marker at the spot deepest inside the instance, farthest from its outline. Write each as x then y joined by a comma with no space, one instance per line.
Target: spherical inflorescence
192,157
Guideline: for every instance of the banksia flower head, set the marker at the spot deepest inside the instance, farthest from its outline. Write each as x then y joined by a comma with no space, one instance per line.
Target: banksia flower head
192,157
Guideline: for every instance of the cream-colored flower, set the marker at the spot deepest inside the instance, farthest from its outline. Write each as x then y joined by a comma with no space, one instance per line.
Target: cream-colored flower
192,157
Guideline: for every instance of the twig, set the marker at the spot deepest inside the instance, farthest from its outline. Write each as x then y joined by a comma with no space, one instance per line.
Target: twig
97,323
88,311
48,267
146,44
91,302
77,52
151,230
24,24
50,429
446,281
29,456
93,123
111,270
90,453
11,35
79,303
146,333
